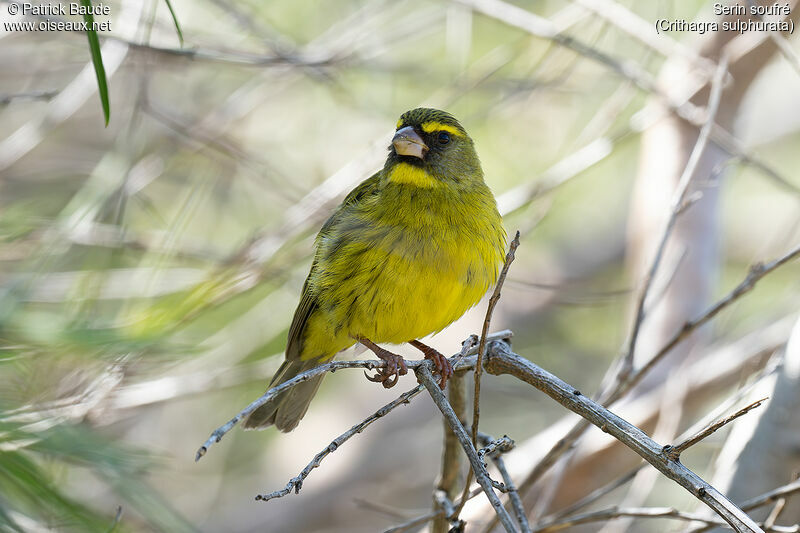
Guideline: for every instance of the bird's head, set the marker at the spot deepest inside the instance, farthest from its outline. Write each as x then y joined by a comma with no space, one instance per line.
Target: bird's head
431,149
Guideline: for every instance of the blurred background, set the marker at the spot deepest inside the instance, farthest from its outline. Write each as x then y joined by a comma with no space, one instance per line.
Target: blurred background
149,269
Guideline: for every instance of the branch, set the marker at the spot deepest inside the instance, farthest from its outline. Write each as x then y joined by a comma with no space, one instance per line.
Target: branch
450,476
503,361
424,375
296,483
756,273
675,209
643,512
524,20
221,431
476,408
758,501
494,448
675,451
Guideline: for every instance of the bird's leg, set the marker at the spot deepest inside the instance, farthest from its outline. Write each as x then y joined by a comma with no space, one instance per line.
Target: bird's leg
395,365
443,366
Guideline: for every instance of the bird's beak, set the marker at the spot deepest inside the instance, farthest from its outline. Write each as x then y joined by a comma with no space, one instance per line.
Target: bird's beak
408,142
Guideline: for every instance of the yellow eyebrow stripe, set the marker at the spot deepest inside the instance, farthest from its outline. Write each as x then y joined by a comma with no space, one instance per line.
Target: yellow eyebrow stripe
399,123
429,127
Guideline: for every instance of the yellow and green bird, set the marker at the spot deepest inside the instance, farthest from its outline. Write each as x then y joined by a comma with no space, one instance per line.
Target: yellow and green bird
406,253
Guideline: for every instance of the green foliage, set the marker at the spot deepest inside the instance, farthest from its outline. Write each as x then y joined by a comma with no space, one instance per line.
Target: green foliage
97,59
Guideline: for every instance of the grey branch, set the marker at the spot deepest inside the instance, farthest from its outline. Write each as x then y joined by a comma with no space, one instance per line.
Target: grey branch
424,375
756,273
503,361
675,451
494,448
221,431
296,483
604,515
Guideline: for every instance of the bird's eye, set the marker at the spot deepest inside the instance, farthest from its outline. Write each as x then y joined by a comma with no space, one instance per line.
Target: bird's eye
443,137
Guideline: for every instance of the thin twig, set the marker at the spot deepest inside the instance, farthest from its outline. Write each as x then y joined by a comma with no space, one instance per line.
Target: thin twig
423,373
333,366
296,483
605,515
598,493
476,408
494,448
646,512
451,456
756,273
774,513
675,209
675,451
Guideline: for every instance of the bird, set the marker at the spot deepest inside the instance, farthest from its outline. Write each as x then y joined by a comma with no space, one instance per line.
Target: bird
406,253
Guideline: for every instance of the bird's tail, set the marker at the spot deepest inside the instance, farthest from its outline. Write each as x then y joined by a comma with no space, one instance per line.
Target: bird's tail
286,409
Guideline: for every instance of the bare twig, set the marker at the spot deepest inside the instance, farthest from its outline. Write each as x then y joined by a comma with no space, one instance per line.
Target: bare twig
675,209
774,513
423,373
494,448
333,366
645,512
773,495
476,408
595,495
756,273
675,451
451,455
503,361
758,501
296,483
604,515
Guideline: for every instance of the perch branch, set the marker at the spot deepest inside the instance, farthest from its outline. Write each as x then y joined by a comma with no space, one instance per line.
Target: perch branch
758,501
221,431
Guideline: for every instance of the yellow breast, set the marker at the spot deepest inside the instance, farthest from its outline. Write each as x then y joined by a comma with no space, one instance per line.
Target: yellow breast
395,276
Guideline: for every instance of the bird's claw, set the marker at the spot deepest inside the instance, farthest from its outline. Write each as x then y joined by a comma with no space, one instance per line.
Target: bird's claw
443,367
388,375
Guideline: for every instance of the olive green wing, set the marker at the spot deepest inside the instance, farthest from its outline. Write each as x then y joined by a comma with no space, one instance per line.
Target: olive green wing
308,302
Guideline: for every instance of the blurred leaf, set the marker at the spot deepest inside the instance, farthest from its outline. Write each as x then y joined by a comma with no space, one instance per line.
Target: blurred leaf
97,59
175,21
29,490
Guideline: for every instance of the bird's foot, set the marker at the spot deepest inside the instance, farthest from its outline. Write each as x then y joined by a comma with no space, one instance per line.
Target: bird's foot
442,364
395,365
